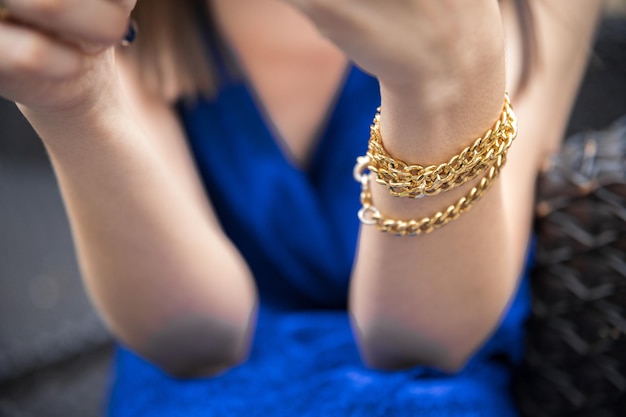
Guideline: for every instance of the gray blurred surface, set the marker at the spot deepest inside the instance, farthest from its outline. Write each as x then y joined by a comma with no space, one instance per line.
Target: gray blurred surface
54,352
47,299
73,387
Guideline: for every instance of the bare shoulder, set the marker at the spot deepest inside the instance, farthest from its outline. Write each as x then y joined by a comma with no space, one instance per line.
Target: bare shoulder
561,36
153,112
164,131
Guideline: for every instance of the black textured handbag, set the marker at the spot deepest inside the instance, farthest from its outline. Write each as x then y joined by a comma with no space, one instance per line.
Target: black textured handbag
576,348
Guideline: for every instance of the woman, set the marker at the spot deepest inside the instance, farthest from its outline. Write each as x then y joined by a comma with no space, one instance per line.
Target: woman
237,273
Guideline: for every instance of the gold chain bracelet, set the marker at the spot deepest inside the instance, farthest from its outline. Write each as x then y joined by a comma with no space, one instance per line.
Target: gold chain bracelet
416,181
370,215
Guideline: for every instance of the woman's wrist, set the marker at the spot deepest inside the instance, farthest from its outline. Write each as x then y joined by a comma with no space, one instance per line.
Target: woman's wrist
429,123
94,89
101,112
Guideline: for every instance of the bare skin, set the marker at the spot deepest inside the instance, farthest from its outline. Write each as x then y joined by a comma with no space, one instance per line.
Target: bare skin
156,263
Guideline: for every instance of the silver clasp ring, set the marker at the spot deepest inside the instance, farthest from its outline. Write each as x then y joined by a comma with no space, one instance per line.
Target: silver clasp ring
362,163
369,215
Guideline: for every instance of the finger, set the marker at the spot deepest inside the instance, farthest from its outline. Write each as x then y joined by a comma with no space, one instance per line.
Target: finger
96,21
24,52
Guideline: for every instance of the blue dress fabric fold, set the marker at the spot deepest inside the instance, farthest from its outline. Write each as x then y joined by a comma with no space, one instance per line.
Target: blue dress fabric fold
296,226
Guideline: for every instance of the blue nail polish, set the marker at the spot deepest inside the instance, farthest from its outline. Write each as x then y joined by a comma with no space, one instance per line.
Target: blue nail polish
131,33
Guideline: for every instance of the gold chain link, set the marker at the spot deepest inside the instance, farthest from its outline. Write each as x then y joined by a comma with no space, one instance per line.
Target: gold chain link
416,181
370,215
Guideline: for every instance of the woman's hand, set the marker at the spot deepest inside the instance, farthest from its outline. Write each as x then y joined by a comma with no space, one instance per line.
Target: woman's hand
414,44
57,55
440,64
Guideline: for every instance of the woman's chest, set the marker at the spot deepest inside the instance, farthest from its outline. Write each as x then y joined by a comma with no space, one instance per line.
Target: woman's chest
293,73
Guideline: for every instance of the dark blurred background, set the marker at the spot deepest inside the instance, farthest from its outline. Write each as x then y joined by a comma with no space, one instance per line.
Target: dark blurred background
54,351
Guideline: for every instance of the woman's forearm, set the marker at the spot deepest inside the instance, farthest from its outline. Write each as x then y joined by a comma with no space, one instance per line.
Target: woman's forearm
432,298
159,269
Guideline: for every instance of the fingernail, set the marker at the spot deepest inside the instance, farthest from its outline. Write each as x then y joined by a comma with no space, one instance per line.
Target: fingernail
131,33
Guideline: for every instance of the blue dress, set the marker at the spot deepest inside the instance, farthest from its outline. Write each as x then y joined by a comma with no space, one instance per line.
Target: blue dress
297,229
